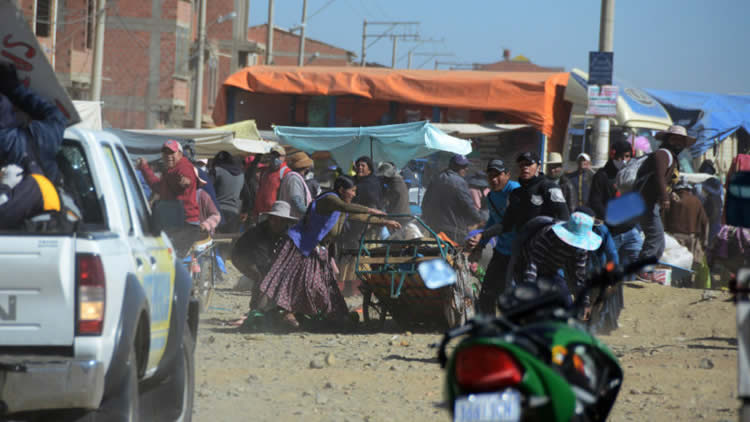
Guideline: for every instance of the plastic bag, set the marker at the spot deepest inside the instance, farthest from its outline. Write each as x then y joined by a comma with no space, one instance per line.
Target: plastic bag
676,254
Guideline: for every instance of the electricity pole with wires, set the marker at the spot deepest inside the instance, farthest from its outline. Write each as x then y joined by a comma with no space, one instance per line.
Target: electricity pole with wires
409,32
301,58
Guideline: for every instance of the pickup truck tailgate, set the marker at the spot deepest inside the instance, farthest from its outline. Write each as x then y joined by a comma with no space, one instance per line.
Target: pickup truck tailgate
37,290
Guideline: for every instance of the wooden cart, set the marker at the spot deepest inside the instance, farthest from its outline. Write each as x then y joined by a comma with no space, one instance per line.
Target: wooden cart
391,284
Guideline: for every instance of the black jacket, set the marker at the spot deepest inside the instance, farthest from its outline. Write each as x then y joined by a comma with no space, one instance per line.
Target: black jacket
536,197
369,191
448,207
602,191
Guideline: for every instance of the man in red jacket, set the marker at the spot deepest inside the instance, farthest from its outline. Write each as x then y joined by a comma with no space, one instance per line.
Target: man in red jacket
178,182
270,180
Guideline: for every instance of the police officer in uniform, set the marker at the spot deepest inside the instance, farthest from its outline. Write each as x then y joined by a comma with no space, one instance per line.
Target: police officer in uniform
536,197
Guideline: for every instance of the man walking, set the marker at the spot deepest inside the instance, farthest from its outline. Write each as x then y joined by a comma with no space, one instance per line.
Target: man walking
626,236
555,175
655,176
501,186
447,205
580,181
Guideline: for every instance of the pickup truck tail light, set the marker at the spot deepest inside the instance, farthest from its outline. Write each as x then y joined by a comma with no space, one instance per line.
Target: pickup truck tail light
90,293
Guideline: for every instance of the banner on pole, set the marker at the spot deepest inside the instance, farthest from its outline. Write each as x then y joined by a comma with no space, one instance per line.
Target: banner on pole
602,100
20,47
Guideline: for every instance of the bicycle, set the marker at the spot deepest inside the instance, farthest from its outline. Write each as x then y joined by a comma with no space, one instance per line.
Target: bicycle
203,287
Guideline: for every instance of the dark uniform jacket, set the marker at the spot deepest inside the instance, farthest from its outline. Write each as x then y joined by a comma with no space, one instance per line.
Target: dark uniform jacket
536,197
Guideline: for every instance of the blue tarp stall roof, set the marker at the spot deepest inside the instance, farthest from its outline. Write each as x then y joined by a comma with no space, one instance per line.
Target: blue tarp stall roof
397,143
711,118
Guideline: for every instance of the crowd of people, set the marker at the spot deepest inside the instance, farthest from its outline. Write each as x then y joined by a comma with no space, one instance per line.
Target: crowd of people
544,224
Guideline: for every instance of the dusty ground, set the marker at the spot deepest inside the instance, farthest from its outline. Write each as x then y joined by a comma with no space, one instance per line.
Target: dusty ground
677,348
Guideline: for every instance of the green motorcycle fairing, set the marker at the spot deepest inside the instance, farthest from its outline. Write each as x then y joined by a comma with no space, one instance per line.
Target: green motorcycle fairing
539,379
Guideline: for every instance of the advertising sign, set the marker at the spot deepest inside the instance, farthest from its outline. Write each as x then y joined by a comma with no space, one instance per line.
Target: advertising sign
602,100
19,46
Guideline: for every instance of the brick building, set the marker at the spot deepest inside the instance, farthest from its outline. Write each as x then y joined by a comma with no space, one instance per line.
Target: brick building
286,49
149,54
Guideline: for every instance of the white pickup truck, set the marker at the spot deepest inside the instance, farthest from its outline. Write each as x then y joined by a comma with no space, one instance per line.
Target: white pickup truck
98,323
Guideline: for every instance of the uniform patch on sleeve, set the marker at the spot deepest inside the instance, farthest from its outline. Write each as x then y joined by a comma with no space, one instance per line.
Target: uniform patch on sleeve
556,195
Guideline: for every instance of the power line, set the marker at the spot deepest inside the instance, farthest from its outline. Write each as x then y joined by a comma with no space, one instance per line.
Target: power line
328,3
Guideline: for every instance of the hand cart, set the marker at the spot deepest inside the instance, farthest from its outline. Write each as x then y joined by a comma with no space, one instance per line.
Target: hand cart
392,285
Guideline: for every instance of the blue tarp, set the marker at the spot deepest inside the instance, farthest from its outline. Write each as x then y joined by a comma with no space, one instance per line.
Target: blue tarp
711,118
397,143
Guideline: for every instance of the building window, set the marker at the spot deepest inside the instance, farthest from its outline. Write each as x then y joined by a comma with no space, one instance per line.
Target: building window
43,17
182,52
90,22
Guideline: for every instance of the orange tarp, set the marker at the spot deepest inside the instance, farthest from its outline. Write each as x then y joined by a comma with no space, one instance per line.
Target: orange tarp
529,97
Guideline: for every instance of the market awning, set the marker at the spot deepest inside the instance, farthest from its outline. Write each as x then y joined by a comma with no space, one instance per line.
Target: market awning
529,97
476,130
711,118
240,138
397,143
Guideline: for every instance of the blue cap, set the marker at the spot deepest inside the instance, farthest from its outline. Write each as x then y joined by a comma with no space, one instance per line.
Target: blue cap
459,160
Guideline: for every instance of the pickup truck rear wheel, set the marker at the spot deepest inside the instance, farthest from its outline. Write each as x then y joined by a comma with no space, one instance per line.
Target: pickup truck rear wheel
120,407
188,387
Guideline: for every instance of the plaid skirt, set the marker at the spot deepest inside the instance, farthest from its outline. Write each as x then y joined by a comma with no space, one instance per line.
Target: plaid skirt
303,284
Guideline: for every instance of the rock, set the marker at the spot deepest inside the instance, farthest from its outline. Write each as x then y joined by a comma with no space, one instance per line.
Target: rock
330,359
317,364
404,343
634,392
709,295
329,385
252,378
210,340
321,398
393,368
706,363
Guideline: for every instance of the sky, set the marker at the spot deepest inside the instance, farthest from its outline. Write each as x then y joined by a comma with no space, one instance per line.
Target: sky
685,45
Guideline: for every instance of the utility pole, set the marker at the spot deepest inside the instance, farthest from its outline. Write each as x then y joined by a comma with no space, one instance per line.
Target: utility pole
364,41
269,37
96,79
393,56
419,44
198,111
601,123
301,59
409,33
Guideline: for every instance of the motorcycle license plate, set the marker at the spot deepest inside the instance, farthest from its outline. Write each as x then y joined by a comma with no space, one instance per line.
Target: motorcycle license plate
488,407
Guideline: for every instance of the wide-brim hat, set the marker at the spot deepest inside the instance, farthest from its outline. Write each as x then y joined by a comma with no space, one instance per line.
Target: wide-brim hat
678,131
299,160
577,232
554,158
281,209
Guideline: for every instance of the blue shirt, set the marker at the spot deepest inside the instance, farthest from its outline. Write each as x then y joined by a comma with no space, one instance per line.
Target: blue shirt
498,204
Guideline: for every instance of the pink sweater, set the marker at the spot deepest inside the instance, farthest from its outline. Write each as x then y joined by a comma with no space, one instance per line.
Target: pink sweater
209,215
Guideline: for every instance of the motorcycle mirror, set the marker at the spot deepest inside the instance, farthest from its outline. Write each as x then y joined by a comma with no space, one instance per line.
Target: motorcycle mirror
624,209
738,200
436,273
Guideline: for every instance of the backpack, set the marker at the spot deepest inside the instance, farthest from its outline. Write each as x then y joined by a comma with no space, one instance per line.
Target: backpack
627,177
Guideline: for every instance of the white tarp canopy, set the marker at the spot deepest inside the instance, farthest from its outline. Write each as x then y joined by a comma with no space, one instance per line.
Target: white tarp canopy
90,113
208,142
476,130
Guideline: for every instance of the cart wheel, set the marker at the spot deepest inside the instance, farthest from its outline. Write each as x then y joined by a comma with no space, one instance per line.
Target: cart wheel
372,310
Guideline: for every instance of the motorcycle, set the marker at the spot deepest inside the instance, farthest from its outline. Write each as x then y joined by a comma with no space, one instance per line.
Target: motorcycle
536,361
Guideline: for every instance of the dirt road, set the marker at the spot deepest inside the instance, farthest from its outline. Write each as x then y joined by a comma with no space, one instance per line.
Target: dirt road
677,348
